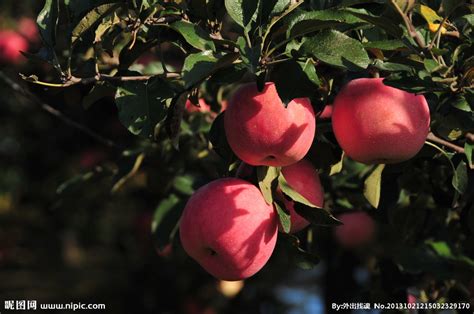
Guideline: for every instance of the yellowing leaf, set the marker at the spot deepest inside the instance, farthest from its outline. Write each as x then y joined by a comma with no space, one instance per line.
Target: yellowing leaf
429,14
372,186
433,27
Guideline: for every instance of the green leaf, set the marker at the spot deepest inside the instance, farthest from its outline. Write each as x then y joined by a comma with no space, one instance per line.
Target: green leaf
372,186
312,213
336,49
242,11
381,22
271,8
184,184
194,35
267,181
197,67
166,219
175,117
301,258
47,21
385,44
468,149
289,191
142,105
460,178
295,80
392,67
461,104
336,168
306,22
92,19
219,140
283,215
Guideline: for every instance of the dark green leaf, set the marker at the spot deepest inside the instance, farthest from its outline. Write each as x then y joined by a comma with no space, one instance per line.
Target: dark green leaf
306,22
384,23
468,149
184,184
460,179
194,35
295,80
166,219
336,49
385,44
219,140
47,21
197,67
273,7
242,11
174,118
92,19
142,105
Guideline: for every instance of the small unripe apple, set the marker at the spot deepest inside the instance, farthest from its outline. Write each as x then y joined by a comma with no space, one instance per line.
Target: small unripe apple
28,28
357,230
11,43
304,179
261,131
229,229
375,123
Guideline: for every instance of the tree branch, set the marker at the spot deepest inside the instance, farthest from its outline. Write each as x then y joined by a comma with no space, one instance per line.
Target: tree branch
73,80
409,25
433,138
56,113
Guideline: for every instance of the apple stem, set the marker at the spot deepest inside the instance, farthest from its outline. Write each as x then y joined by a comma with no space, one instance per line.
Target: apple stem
433,138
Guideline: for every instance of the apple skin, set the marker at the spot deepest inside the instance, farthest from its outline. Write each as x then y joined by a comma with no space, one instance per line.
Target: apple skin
357,230
375,123
27,27
326,113
229,229
304,179
11,43
203,106
261,131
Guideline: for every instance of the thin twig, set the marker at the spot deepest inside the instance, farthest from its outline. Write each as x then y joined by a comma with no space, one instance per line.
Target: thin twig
438,34
56,113
102,77
433,138
410,27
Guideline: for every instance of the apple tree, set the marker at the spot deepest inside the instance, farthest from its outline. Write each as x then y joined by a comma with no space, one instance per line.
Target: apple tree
172,68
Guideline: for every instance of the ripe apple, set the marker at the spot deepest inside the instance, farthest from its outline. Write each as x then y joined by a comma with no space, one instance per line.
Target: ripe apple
203,106
358,229
375,123
261,131
11,43
327,112
27,28
229,229
304,179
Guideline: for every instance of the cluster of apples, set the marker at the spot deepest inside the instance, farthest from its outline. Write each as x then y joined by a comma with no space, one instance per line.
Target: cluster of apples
229,228
12,42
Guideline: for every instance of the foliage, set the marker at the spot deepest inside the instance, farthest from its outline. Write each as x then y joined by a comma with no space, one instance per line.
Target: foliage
203,49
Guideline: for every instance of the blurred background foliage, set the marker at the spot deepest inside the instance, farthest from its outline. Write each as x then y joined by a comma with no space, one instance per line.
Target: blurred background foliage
89,214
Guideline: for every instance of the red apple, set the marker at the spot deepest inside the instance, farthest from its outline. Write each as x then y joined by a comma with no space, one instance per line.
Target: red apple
91,158
27,28
357,230
375,123
261,131
327,112
229,229
11,43
304,179
203,106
